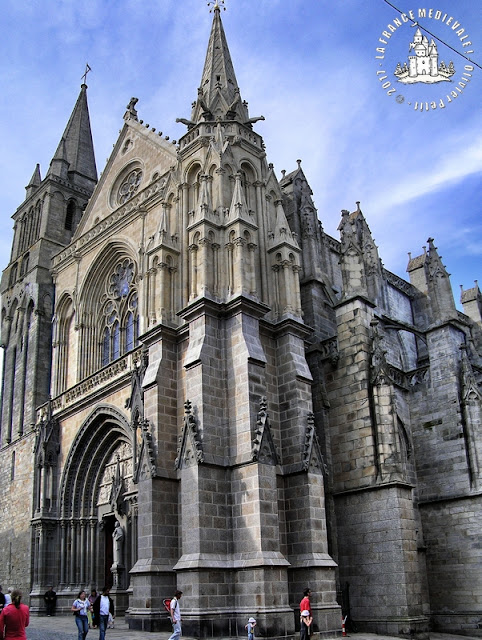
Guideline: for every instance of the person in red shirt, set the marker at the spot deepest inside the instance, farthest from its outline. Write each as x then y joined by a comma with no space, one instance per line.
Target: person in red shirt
14,618
305,604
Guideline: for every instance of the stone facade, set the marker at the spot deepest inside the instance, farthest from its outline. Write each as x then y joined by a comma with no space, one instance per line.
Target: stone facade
259,406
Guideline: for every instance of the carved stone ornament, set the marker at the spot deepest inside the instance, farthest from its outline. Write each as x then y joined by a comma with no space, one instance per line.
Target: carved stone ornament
47,446
312,456
146,464
116,498
329,350
378,365
189,451
135,402
263,448
382,372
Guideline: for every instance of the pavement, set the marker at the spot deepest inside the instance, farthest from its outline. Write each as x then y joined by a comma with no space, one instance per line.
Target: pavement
63,627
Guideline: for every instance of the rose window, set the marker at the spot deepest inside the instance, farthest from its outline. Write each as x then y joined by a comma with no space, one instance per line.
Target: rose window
130,186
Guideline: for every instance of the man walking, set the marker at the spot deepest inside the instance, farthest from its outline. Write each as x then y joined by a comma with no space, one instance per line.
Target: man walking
176,616
102,607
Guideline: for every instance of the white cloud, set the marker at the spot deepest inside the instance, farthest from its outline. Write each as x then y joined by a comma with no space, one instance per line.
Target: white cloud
308,67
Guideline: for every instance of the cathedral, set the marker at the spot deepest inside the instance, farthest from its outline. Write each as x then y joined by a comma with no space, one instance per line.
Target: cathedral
204,391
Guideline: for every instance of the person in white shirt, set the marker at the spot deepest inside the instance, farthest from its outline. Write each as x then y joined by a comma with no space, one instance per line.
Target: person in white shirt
8,597
102,607
176,616
81,607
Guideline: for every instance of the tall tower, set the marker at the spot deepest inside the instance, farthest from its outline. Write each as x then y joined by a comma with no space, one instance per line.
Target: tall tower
251,494
44,223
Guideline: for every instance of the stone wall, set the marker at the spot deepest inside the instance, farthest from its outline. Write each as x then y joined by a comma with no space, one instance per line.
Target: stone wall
452,530
16,507
378,557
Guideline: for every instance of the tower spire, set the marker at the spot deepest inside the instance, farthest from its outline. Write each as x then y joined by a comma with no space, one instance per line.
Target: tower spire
76,147
218,95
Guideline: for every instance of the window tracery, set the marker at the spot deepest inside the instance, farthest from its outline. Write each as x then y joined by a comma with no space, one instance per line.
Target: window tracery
120,317
121,279
129,186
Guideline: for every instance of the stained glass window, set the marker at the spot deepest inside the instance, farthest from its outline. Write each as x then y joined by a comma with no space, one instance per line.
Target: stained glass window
120,313
130,186
121,279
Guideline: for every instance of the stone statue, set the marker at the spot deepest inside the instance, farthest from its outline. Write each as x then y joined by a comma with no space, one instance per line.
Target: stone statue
118,538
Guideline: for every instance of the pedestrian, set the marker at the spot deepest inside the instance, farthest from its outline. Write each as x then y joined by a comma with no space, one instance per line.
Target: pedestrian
175,616
90,615
2,598
102,607
305,604
8,596
250,628
50,599
305,624
80,607
14,618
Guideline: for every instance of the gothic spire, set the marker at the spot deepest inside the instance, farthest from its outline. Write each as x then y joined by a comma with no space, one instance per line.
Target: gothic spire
218,94
35,181
439,287
76,147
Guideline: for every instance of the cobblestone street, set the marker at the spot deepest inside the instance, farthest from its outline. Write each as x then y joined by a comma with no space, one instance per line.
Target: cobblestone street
64,628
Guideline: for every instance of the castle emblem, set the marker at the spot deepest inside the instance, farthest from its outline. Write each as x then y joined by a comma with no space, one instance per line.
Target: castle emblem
424,65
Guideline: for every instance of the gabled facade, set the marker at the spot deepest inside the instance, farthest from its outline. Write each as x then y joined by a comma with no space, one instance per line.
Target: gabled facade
228,401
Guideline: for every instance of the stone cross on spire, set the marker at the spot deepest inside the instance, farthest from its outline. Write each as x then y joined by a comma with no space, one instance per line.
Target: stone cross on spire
87,69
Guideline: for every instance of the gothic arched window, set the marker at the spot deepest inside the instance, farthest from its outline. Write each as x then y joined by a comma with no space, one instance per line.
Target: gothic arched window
70,215
13,275
120,318
24,265
132,323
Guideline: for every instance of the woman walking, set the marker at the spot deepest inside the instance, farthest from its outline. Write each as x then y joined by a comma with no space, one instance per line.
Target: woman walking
80,607
14,618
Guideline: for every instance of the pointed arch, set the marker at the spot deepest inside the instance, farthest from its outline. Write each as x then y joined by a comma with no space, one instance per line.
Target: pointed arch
24,265
25,389
13,274
172,216
229,182
248,179
99,436
96,489
193,172
65,346
70,215
110,299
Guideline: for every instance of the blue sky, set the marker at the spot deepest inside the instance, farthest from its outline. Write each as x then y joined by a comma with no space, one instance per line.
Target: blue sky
308,66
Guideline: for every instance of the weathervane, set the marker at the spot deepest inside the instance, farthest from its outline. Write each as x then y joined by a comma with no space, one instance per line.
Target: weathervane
87,69
216,4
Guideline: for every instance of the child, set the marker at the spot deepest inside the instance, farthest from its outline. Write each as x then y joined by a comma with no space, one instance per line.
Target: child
305,621
250,628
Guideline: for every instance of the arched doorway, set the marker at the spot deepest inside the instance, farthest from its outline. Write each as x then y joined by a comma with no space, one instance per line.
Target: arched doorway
97,498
